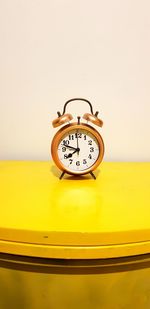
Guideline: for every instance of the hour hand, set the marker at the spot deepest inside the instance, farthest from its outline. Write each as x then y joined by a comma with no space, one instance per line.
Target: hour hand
70,154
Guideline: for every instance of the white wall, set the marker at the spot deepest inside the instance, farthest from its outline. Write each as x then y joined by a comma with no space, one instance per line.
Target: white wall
53,50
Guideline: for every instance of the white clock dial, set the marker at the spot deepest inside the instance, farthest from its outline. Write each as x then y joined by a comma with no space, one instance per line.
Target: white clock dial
78,150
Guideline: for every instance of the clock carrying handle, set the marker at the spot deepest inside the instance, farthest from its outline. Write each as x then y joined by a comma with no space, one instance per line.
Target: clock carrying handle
80,99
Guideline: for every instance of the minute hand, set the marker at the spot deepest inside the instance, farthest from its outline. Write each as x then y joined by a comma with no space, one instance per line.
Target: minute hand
70,147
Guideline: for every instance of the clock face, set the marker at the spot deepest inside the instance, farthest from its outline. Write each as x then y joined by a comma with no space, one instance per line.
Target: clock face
78,150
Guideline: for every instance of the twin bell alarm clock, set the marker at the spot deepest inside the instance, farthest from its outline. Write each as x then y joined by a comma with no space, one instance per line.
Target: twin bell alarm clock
77,148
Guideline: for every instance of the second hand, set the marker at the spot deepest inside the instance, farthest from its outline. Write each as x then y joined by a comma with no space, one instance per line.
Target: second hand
78,136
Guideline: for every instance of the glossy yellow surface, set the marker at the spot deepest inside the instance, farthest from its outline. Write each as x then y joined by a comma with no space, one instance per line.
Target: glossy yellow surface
74,218
99,284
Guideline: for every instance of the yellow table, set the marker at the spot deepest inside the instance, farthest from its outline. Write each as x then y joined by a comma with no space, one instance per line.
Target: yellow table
81,218
81,221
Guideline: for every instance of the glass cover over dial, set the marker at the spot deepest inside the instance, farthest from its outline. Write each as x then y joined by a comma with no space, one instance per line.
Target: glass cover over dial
78,150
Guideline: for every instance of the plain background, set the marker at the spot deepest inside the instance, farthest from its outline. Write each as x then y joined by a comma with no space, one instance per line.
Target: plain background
53,50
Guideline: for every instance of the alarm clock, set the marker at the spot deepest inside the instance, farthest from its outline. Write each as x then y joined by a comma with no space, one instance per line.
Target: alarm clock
77,148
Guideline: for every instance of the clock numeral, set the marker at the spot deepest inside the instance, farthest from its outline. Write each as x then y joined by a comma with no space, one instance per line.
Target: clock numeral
90,156
91,149
78,163
70,160
79,135
65,156
65,142
71,137
84,161
63,149
90,142
85,137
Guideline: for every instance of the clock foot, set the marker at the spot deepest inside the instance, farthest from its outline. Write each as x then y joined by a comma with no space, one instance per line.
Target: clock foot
93,175
62,175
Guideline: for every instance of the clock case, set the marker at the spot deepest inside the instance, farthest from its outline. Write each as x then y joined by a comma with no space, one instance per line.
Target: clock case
61,120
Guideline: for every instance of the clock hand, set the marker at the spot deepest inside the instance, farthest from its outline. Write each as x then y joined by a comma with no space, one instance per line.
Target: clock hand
70,154
77,140
78,143
70,146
